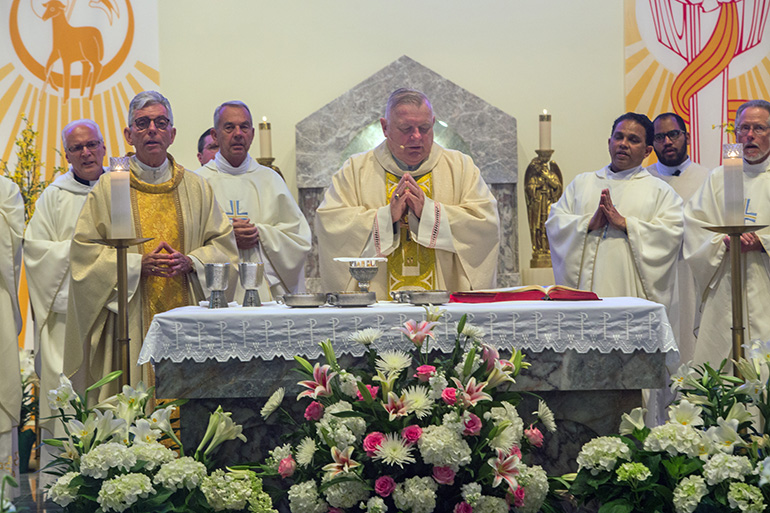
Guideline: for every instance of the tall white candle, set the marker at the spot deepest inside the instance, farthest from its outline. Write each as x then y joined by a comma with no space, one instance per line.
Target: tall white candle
120,190
545,130
265,140
732,161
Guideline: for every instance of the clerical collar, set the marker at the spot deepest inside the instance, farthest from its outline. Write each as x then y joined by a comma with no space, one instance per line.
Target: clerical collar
149,174
672,170
87,183
760,167
621,175
404,167
224,166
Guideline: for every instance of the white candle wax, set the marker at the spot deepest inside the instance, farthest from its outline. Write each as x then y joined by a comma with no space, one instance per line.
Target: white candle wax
265,140
120,188
545,130
732,161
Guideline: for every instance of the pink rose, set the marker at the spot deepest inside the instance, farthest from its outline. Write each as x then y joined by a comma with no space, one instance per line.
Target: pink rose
411,433
463,507
424,372
449,395
515,450
534,436
372,390
384,486
472,425
518,497
287,466
444,475
335,510
372,441
314,411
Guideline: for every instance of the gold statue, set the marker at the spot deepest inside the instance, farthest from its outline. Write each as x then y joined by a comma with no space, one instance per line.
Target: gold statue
543,186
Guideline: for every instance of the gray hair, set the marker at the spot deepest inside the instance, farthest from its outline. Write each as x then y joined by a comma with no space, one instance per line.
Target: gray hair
762,104
145,99
72,124
231,103
405,96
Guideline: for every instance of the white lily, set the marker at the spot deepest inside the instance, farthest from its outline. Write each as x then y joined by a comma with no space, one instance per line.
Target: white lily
83,431
739,413
498,376
758,350
107,425
686,414
725,435
764,471
59,399
143,432
433,313
161,419
221,428
631,421
681,376
134,397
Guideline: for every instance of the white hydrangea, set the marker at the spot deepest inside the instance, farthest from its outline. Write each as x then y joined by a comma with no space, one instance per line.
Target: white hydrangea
674,439
723,466
119,493
602,453
471,493
490,504
348,383
99,460
442,446
438,383
346,494
454,421
278,454
182,473
535,483
374,505
61,492
154,454
341,432
417,494
303,498
226,490
746,497
688,493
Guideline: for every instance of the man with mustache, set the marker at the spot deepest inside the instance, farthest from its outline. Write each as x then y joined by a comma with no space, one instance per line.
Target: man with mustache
424,207
617,231
707,252
268,224
675,167
173,206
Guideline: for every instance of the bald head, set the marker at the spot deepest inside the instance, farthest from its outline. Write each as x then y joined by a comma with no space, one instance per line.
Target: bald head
84,148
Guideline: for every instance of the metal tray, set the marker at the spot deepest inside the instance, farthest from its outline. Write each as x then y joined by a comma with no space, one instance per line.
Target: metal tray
302,300
351,299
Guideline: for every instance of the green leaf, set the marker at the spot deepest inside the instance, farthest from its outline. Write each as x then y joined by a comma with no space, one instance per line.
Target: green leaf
469,362
461,324
112,376
305,364
617,506
365,393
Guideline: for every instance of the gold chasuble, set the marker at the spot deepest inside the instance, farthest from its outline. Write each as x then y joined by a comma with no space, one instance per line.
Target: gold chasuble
158,216
411,266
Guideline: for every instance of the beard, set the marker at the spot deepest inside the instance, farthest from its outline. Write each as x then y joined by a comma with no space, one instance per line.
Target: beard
674,161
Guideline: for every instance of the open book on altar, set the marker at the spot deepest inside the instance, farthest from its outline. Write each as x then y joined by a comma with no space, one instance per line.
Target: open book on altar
527,293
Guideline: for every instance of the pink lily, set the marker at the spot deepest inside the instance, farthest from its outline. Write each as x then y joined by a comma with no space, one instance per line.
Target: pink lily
490,355
396,406
505,467
417,333
471,393
342,461
320,385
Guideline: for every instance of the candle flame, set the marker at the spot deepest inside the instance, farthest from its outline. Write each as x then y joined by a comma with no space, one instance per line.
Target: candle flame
264,119
545,111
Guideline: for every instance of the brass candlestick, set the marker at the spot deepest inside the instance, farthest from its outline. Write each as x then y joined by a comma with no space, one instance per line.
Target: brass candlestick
736,283
268,162
543,185
121,345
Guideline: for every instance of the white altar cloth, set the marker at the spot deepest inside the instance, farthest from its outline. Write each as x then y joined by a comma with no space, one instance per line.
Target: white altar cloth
200,334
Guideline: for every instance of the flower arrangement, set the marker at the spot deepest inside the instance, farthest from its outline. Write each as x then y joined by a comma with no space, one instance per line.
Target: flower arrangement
412,433
29,408
711,455
113,458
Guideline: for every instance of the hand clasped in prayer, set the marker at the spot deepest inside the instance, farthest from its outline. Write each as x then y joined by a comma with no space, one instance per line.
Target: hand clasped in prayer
407,196
166,262
246,233
606,213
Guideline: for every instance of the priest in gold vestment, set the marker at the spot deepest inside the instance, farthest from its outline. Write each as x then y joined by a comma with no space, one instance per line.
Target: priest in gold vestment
424,207
173,206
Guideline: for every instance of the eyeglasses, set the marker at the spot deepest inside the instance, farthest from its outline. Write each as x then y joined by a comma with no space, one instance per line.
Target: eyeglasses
161,123
91,145
758,129
673,135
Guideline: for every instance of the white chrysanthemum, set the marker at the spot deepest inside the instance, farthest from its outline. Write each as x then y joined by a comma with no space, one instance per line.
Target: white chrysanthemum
303,498
119,493
507,412
688,493
443,446
272,403
535,483
394,451
184,472
61,492
417,401
505,438
366,336
393,361
545,415
374,505
723,466
490,504
226,490
602,453
473,332
338,431
674,439
348,383
346,494
417,494
305,451
438,383
471,493
99,460
154,454
746,497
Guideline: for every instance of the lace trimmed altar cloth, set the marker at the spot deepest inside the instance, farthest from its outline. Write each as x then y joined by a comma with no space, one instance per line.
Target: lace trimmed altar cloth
199,334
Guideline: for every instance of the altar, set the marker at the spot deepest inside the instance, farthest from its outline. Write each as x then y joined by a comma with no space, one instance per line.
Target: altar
590,359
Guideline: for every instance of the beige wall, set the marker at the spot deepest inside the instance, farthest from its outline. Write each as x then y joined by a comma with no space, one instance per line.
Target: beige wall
287,58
